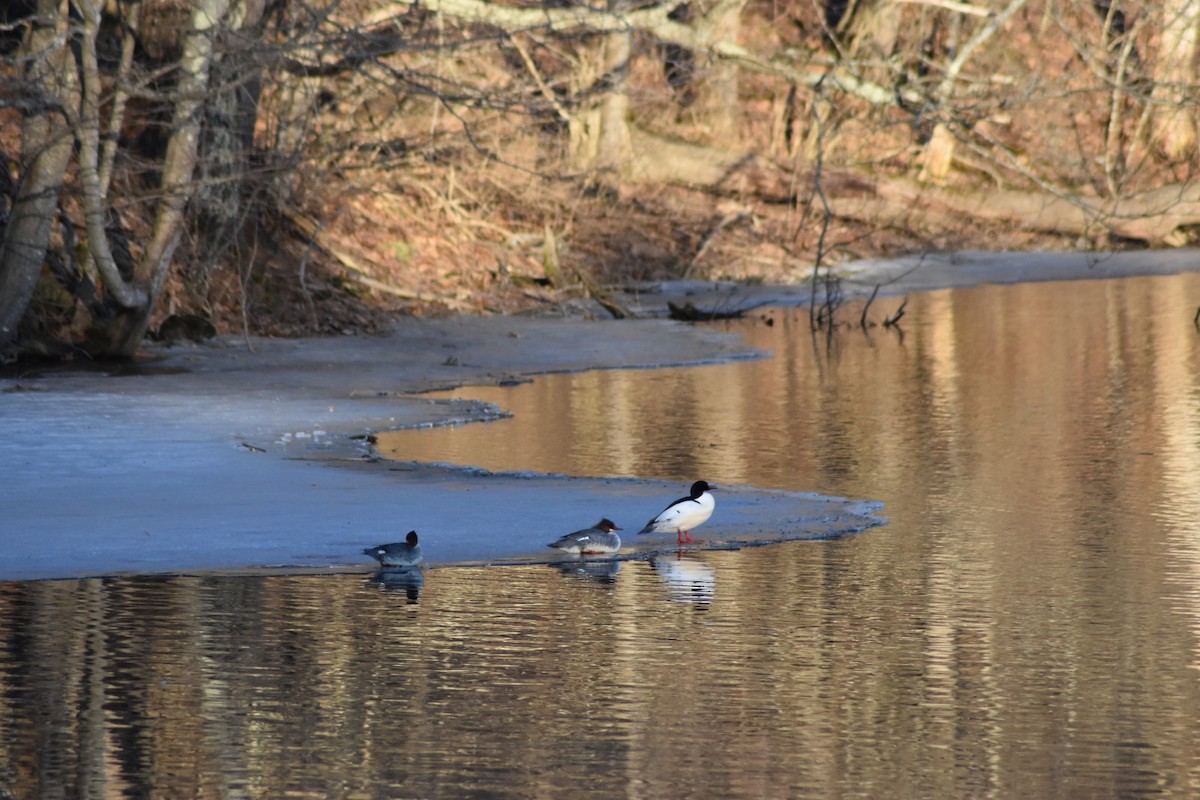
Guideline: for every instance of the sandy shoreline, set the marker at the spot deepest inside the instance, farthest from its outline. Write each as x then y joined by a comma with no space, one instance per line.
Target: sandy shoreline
214,457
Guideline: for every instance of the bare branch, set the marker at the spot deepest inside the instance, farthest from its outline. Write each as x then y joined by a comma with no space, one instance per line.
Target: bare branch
950,5
657,21
984,33
539,80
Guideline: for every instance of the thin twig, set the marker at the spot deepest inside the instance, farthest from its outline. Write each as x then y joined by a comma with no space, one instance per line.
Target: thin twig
709,239
862,321
894,319
818,170
303,271
245,283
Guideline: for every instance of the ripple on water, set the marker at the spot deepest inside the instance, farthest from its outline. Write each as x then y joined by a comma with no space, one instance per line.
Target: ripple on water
1025,626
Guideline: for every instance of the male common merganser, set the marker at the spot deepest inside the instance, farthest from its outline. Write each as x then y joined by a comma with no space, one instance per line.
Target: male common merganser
599,539
397,554
684,514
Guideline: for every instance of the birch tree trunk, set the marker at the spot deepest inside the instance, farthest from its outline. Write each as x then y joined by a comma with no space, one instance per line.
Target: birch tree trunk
47,141
178,167
86,125
1174,74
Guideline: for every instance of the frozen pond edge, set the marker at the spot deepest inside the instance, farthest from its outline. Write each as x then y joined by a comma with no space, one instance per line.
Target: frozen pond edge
217,458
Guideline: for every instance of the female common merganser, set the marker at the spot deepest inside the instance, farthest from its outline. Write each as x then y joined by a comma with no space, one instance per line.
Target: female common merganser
597,540
684,514
397,554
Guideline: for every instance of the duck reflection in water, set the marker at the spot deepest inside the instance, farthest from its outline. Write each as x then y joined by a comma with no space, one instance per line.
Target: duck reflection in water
400,566
688,579
600,570
400,579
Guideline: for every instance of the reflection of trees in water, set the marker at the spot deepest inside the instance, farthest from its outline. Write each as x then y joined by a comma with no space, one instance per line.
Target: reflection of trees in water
1026,615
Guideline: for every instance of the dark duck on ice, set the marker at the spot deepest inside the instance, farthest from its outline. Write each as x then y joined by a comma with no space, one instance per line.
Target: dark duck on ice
397,554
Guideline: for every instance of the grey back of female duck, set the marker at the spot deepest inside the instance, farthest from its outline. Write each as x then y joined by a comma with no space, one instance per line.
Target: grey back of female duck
600,539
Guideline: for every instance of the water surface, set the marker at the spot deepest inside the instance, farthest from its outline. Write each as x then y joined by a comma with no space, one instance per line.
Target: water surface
1027,625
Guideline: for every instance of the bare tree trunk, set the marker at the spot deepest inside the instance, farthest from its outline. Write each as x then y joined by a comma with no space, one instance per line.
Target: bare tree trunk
613,148
584,122
717,93
87,132
1174,72
47,136
218,203
874,30
178,167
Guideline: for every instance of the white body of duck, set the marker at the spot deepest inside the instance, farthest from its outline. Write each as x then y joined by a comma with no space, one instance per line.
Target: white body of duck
600,539
684,514
398,554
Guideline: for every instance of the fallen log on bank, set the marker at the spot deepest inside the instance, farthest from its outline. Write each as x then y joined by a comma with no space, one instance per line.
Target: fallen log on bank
1157,217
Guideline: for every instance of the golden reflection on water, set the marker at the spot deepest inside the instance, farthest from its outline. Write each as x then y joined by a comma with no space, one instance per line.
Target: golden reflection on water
518,681
1036,448
1026,626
